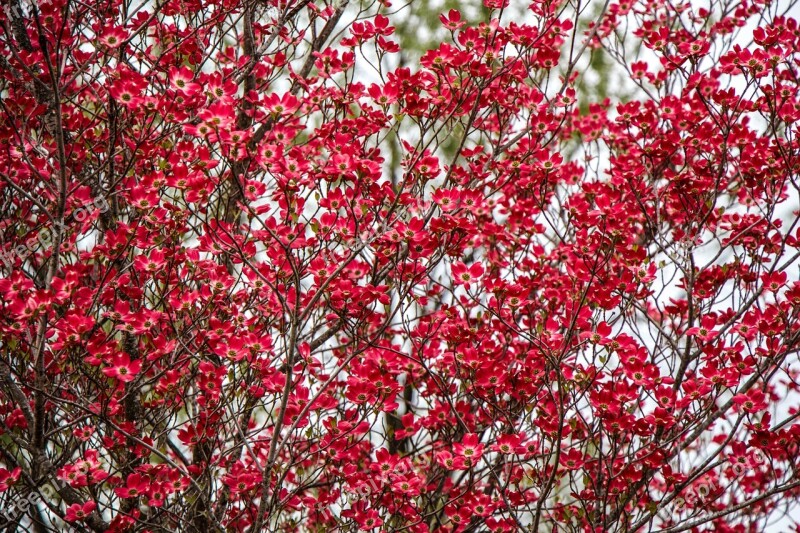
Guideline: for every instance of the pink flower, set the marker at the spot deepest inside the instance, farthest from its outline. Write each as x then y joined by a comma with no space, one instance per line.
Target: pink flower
181,81
8,478
114,37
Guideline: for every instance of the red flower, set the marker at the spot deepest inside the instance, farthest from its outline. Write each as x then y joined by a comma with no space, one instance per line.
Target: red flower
572,459
113,37
507,444
182,81
705,331
463,275
452,21
8,478
137,485
469,448
77,512
122,368
752,401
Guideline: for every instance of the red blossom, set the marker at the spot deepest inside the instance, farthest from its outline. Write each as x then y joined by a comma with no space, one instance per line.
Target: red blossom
313,266
122,368
78,512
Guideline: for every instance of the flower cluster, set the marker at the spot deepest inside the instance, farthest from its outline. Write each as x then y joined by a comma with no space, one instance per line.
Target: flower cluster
537,273
45,237
394,474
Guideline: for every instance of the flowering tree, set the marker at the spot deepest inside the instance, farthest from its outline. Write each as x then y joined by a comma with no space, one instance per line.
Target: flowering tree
259,275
